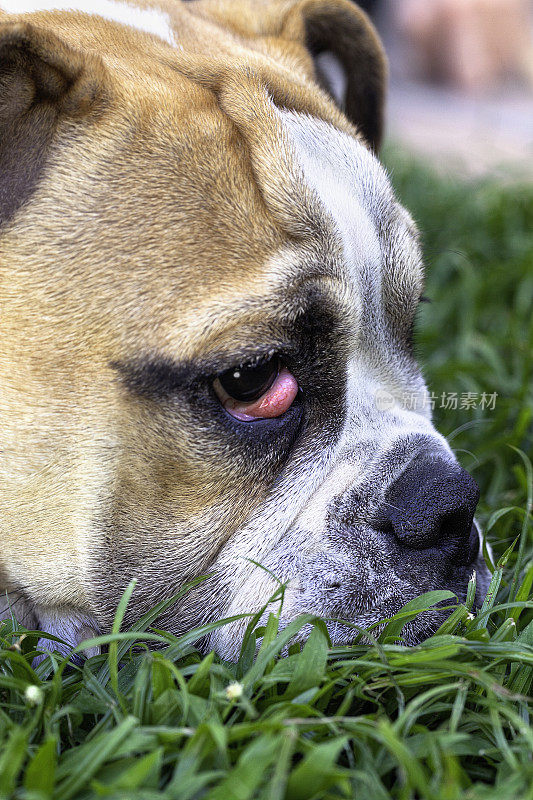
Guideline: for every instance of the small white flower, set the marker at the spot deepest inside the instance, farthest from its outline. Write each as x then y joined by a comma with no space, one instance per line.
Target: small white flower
234,691
470,615
33,695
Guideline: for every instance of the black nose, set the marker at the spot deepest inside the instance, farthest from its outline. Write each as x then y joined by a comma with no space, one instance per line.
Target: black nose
431,504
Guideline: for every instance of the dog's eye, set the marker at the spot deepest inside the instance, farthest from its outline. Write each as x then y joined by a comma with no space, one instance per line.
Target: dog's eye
261,391
248,383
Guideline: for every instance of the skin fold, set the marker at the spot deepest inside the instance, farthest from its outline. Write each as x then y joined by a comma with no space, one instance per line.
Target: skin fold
183,196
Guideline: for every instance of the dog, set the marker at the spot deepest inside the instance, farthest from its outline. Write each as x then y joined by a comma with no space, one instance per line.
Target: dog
208,293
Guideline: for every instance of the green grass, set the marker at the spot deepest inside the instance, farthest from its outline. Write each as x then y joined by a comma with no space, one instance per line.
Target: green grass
447,720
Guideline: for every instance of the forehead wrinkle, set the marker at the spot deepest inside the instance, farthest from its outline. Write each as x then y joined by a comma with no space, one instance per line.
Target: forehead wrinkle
347,181
266,297
379,238
228,324
345,178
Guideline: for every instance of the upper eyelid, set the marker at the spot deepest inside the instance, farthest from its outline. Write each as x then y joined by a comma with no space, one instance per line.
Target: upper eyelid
251,361
159,377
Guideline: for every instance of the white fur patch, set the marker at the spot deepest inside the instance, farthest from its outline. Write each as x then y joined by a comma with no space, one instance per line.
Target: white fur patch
149,20
348,180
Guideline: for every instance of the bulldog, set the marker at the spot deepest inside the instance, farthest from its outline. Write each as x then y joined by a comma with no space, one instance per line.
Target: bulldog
208,293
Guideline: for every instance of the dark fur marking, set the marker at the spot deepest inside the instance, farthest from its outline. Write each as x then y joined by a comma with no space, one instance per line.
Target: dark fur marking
312,345
359,49
40,79
27,123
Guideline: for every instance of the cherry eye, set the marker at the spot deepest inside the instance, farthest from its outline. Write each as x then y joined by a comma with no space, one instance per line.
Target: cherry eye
261,391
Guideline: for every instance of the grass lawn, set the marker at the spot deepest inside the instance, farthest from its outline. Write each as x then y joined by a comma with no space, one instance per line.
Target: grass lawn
447,720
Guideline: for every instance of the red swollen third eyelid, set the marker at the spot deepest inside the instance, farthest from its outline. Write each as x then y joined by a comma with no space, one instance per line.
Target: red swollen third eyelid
273,403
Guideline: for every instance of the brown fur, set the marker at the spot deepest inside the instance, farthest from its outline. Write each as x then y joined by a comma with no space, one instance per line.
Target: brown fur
140,204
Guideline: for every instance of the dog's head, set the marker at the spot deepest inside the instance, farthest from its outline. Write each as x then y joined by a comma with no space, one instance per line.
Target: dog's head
208,297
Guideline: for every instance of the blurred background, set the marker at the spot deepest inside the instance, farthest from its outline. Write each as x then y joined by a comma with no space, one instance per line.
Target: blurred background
459,150
461,82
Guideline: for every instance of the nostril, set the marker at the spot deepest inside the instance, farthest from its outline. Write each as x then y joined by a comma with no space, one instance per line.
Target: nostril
453,524
384,526
381,521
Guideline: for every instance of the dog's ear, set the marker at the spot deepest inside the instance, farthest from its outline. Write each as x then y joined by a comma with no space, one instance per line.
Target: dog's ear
348,56
42,80
332,41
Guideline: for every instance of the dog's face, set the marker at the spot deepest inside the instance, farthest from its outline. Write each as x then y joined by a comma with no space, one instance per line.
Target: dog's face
208,295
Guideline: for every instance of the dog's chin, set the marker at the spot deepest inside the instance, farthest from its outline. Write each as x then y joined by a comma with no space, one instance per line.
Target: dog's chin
366,630
357,607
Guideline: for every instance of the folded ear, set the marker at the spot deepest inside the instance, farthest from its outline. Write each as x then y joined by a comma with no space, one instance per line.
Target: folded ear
41,79
334,38
348,56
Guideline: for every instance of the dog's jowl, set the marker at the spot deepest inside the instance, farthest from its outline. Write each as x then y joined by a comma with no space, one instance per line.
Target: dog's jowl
207,300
